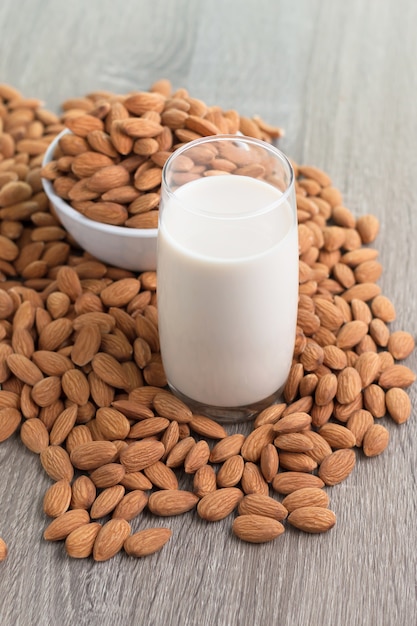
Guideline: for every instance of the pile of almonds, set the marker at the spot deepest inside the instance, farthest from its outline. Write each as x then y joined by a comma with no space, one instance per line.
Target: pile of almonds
80,369
110,166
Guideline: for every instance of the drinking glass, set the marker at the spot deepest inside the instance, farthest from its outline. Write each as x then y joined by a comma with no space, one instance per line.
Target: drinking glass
227,269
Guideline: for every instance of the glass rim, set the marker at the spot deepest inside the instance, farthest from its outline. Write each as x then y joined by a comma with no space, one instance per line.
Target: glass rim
276,152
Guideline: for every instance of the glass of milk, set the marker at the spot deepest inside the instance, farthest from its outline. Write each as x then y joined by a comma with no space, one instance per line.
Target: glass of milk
227,268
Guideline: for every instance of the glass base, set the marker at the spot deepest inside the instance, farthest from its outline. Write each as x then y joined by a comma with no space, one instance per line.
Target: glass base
228,415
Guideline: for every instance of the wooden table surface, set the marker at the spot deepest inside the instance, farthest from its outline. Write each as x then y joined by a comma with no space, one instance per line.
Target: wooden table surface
341,78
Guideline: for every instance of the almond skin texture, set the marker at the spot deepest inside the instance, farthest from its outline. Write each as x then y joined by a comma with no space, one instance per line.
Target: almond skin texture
56,463
256,528
309,496
287,482
9,422
171,502
312,519
398,404
258,504
131,505
3,550
64,524
141,454
79,543
219,504
34,435
337,466
110,539
146,542
375,440
57,498
93,454
256,441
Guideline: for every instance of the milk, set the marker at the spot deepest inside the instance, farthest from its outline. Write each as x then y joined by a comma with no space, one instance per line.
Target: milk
227,289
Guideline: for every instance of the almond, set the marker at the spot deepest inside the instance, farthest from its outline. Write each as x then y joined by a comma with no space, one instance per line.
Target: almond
54,334
83,493
24,369
207,427
204,481
337,466
252,480
10,419
3,550
382,307
270,415
293,423
112,423
79,543
337,436
93,454
161,476
86,345
398,404
287,482
368,227
68,282
46,391
256,441
197,456
358,423
179,452
231,471
297,461
396,376
368,367
141,454
109,370
325,390
56,463
171,407
312,519
120,292
374,400
309,496
269,462
375,440
256,528
63,425
131,505
34,435
147,541
227,447
139,127
64,524
57,498
349,385
401,344
172,502
258,504
107,475
219,504
107,501
351,334
110,539
294,442
52,363
148,427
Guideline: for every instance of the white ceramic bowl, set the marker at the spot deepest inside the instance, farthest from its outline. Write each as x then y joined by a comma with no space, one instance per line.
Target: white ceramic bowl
129,248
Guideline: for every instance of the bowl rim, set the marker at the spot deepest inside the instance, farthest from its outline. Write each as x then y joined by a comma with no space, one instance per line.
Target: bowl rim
68,211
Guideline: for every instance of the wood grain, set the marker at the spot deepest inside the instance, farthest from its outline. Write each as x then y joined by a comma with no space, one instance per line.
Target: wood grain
341,78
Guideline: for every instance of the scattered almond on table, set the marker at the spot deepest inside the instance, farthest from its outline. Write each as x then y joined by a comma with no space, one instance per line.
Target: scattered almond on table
81,376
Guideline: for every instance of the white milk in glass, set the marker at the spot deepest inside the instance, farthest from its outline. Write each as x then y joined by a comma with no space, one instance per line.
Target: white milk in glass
227,289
